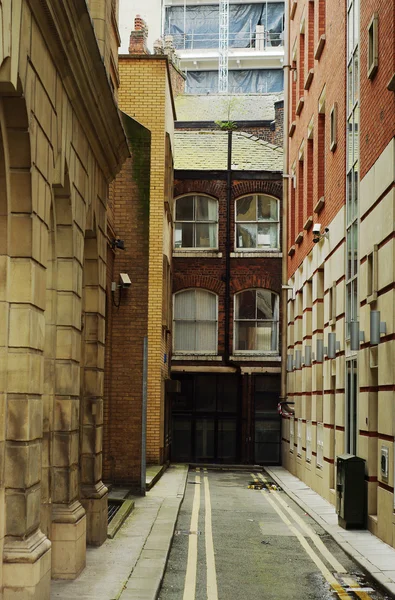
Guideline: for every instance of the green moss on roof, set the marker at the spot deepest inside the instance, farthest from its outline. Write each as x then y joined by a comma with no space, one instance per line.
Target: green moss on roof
208,151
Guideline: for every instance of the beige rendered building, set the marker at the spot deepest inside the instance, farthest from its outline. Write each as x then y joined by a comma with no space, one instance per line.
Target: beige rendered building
59,149
340,323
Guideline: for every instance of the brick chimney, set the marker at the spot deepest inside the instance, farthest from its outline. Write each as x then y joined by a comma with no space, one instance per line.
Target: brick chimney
138,37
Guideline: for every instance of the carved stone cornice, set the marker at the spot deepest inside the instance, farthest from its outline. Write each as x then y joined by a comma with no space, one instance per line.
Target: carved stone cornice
68,32
10,25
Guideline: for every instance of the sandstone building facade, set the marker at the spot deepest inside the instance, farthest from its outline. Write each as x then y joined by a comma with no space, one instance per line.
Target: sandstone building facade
59,149
341,173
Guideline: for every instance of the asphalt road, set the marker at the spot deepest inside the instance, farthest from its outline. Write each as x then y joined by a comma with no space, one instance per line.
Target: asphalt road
235,543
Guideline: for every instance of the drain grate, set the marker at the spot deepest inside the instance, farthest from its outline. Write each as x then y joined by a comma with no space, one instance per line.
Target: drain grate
113,508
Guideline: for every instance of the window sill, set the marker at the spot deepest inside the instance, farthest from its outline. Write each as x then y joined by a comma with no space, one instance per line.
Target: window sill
257,254
300,105
320,47
320,205
196,254
256,358
214,357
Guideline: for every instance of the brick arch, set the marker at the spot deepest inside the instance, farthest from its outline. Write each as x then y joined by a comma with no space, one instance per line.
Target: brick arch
257,281
207,282
15,190
272,188
198,186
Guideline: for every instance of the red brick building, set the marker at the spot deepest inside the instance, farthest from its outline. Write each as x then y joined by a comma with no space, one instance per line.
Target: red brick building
226,297
340,332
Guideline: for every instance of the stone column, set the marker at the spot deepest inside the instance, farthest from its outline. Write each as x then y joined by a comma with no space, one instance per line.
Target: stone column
93,491
68,515
26,550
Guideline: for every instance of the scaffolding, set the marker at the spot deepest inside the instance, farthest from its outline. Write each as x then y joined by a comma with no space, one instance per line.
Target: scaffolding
223,46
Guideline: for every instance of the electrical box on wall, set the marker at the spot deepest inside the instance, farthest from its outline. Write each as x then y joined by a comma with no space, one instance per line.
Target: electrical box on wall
384,462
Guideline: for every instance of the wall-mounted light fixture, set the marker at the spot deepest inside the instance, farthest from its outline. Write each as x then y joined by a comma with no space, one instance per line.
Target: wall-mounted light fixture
356,336
320,351
307,356
332,345
377,327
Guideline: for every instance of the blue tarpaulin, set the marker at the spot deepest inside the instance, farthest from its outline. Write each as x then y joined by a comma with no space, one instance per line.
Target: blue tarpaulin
241,81
198,26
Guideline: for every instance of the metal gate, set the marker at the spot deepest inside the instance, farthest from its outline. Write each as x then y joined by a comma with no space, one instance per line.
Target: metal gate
205,418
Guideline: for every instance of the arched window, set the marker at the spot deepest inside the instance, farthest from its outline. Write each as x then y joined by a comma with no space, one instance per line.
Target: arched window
256,321
195,322
196,223
257,223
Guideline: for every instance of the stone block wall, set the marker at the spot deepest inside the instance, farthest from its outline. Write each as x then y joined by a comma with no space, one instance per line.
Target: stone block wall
53,193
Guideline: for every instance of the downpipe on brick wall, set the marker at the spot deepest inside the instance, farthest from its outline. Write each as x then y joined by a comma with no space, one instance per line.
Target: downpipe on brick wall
286,177
227,254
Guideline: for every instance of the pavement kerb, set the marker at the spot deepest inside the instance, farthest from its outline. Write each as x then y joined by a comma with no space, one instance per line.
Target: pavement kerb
179,498
354,554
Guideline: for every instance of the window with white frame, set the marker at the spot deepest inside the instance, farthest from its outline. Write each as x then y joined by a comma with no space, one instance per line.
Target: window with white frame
291,434
195,322
196,223
256,321
299,438
320,445
257,223
308,441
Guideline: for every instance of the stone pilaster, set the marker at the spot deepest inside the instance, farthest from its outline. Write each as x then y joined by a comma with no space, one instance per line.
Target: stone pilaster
93,491
68,515
26,550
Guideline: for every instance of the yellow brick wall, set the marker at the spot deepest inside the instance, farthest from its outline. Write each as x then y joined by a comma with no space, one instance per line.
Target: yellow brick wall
144,95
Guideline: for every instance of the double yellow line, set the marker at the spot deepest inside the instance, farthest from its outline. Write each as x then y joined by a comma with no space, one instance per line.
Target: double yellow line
279,505
211,575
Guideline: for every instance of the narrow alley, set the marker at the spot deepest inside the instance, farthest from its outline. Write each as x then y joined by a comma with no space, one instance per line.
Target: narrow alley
232,541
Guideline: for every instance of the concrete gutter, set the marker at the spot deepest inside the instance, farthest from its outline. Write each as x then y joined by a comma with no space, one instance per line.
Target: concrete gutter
132,564
146,578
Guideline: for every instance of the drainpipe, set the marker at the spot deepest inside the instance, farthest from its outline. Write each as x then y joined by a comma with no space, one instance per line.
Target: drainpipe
227,247
284,292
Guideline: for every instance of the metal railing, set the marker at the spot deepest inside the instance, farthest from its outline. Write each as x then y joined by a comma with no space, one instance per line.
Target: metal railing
205,41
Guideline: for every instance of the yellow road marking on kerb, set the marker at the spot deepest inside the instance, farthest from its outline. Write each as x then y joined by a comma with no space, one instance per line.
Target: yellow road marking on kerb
319,544
190,576
314,557
356,588
212,590
313,536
